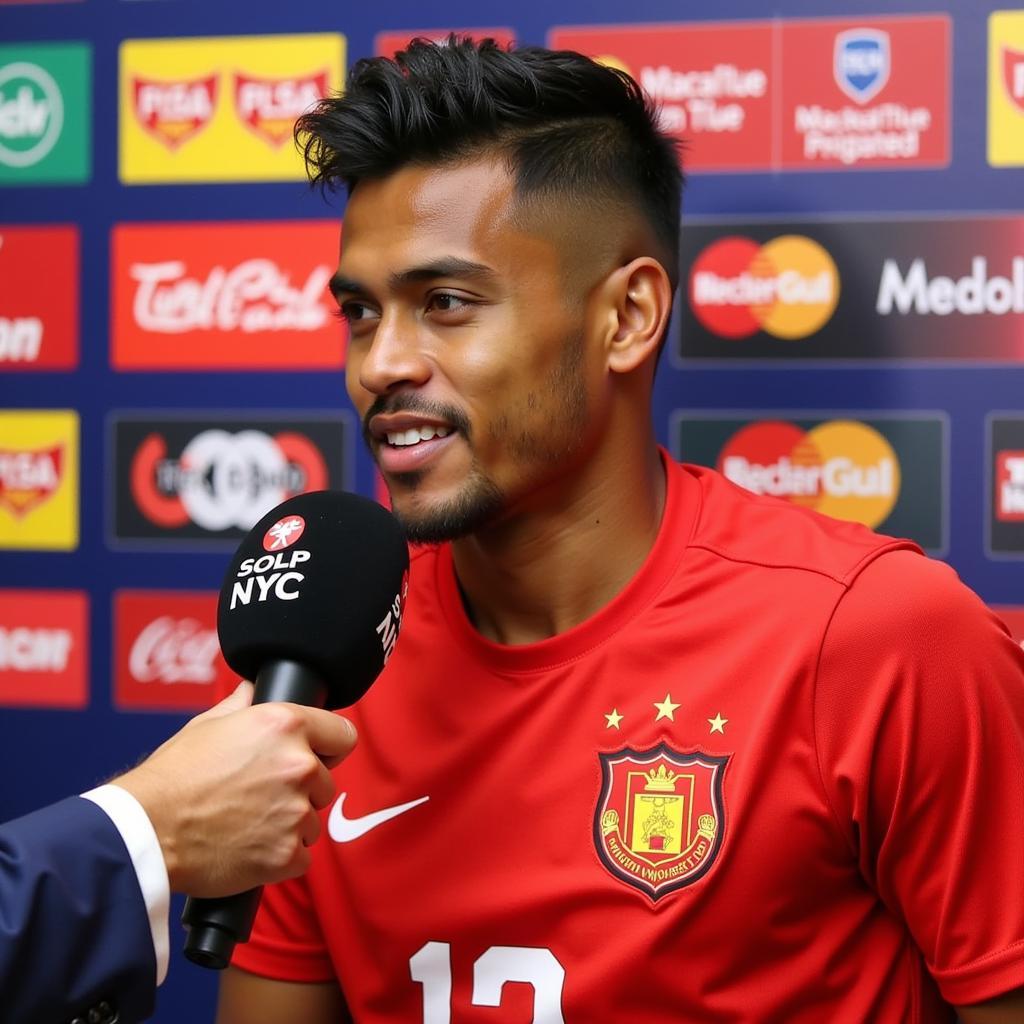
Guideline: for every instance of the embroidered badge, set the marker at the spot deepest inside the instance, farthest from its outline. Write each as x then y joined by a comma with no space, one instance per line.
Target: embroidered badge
659,819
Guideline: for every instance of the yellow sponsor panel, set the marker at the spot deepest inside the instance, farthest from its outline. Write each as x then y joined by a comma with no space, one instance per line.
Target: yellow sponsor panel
1006,89
221,108
39,479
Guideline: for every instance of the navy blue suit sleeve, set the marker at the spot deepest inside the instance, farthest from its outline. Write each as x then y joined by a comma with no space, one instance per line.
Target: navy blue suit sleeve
73,924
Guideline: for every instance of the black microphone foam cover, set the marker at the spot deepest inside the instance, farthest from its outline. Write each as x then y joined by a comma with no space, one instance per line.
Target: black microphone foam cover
321,581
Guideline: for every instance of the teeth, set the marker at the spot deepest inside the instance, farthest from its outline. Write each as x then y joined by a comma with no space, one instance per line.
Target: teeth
404,438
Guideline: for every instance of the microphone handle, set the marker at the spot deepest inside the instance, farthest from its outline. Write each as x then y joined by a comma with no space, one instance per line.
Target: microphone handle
215,926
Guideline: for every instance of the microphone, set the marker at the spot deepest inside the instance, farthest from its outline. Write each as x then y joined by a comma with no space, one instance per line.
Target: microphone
309,610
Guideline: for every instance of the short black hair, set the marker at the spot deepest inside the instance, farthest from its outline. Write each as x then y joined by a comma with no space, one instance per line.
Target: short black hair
569,126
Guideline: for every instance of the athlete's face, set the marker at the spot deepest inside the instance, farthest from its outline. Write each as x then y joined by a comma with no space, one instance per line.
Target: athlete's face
467,361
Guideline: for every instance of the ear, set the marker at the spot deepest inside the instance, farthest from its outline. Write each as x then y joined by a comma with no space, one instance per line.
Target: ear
637,300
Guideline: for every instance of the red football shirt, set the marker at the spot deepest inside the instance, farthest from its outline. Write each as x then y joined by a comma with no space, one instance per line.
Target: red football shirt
778,778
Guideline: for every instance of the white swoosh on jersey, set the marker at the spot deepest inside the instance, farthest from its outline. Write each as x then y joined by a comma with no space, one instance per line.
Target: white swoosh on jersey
344,830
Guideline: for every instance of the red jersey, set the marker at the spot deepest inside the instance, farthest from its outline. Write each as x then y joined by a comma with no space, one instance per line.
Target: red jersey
778,778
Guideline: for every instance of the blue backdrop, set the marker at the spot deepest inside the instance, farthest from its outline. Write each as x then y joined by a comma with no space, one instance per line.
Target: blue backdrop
47,753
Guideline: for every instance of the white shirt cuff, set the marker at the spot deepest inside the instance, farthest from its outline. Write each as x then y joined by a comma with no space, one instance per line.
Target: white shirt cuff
131,820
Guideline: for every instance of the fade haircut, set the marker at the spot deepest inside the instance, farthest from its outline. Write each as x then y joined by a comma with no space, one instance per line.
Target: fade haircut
569,128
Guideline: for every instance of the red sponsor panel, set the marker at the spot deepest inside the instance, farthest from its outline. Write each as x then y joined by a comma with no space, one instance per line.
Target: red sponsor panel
166,650
44,648
713,83
387,44
38,298
225,296
859,94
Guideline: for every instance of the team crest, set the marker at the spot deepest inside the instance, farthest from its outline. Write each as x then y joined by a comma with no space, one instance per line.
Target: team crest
659,819
861,63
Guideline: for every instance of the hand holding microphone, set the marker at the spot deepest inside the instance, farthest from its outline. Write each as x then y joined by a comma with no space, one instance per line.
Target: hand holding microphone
310,609
233,796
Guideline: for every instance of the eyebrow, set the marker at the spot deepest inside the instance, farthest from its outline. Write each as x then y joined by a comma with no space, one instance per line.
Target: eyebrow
446,266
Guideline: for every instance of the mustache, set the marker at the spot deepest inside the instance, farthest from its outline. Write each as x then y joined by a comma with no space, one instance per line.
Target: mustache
405,402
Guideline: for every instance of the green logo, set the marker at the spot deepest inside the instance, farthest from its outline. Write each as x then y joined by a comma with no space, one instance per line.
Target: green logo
44,113
31,114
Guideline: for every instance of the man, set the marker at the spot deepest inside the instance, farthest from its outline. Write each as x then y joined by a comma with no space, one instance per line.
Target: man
650,748
226,804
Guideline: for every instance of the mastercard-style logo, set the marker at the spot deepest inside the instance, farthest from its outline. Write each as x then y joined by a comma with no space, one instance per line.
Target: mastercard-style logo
842,468
787,287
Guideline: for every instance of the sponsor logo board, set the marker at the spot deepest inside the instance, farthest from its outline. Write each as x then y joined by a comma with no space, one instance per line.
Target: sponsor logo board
221,108
39,479
39,310
194,479
44,648
885,471
865,94
230,296
1006,493
166,650
45,114
790,94
714,83
387,44
1006,89
927,290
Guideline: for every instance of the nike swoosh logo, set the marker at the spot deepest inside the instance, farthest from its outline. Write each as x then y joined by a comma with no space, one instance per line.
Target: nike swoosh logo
344,830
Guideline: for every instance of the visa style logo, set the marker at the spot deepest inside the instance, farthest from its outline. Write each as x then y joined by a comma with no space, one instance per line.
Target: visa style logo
221,108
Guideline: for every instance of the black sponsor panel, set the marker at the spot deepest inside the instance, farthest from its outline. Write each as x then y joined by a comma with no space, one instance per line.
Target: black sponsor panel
858,290
200,480
886,472
1006,490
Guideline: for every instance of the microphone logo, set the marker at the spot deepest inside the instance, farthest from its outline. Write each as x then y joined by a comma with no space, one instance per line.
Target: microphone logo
284,533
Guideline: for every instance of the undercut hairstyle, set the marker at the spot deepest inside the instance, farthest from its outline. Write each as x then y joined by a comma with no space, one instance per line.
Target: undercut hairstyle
570,129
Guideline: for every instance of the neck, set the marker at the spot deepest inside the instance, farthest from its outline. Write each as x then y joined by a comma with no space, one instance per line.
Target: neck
545,569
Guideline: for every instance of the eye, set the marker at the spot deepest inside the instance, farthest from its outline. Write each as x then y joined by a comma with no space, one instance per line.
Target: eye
446,302
354,312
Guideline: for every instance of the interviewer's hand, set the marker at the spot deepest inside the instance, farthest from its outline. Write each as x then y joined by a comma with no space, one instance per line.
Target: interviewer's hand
233,796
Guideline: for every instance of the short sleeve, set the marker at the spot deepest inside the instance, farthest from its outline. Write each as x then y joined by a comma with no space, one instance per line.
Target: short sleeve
919,727
287,943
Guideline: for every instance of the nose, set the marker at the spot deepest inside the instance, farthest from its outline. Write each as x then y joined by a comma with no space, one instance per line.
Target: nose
394,358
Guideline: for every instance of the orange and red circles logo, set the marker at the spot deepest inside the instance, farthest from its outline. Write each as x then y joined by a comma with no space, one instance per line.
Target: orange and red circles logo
787,287
166,650
38,318
44,648
284,533
842,468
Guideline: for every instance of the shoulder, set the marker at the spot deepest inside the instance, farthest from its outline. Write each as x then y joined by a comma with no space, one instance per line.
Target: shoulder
769,532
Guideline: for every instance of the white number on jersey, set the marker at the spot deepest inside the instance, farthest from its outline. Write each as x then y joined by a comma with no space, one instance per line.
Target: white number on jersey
432,968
